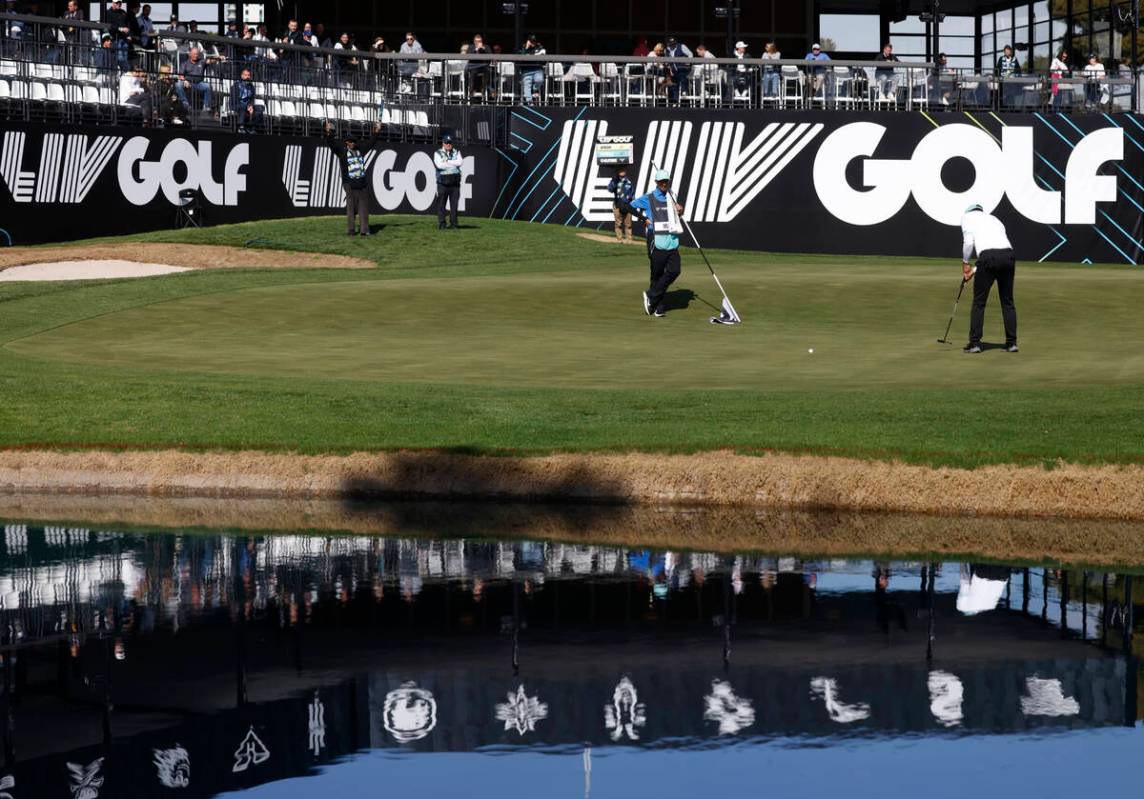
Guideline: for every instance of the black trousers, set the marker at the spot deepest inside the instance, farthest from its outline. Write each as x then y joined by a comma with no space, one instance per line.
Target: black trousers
447,195
357,205
665,268
994,266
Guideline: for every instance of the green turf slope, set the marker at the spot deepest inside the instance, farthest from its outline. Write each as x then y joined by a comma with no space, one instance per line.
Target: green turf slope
525,337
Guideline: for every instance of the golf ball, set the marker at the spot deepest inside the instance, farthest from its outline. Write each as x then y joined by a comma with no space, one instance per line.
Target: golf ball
811,350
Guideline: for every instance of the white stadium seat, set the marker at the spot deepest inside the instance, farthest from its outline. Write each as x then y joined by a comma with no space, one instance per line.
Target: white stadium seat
39,91
5,92
56,93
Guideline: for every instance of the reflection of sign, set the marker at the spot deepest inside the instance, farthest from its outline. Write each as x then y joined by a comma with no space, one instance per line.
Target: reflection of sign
410,713
174,767
731,712
85,780
521,712
826,689
1047,698
946,693
5,783
625,713
316,713
251,752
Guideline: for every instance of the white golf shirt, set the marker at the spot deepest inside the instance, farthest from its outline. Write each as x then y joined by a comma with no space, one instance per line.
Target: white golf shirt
980,232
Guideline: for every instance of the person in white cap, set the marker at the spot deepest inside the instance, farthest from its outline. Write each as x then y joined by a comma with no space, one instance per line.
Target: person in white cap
984,234
661,214
741,76
817,74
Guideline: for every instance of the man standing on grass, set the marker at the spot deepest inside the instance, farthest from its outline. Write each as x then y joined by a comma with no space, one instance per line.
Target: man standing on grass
351,156
984,234
661,214
448,161
622,191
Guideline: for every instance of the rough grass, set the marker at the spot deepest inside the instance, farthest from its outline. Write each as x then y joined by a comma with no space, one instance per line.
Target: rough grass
505,337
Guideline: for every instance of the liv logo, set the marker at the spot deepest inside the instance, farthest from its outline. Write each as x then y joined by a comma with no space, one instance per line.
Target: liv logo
726,170
69,166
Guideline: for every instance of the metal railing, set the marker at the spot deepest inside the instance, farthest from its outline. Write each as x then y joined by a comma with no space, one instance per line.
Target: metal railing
86,73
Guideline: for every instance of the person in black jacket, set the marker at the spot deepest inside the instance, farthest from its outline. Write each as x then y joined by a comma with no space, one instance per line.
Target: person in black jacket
120,23
351,156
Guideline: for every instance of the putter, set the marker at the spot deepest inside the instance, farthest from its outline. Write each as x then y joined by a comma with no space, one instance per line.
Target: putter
945,339
728,315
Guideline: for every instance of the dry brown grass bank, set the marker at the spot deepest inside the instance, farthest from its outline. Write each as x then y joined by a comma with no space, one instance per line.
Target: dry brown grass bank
193,256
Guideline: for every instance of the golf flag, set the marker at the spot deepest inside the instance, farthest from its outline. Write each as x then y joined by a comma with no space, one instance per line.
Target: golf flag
728,316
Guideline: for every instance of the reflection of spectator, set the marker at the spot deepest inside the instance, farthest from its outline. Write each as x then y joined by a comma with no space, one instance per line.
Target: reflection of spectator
817,74
192,76
887,76
242,100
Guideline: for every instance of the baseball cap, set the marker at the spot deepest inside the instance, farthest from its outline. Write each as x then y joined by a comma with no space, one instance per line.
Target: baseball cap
447,138
661,174
816,46
740,45
974,207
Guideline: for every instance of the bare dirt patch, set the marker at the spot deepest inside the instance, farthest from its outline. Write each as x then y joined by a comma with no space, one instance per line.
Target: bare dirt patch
190,256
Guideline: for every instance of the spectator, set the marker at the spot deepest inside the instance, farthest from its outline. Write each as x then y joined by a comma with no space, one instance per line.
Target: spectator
192,76
408,68
232,31
174,26
817,74
74,14
641,50
887,76
345,67
1093,74
741,74
379,46
708,73
678,73
120,23
147,29
1057,70
292,35
623,192
478,71
242,100
946,78
1008,67
531,72
133,93
170,109
771,73
320,36
351,156
106,58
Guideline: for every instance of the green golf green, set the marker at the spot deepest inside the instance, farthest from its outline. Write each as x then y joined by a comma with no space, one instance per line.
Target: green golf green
528,338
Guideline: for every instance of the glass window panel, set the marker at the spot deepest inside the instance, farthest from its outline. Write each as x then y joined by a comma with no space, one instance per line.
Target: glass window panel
851,32
908,25
1003,37
1040,10
908,45
988,44
961,62
959,45
203,13
253,13
160,12
986,23
95,12
958,26
1041,32
1021,17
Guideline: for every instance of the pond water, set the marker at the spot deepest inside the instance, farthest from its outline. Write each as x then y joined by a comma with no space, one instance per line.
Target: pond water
199,664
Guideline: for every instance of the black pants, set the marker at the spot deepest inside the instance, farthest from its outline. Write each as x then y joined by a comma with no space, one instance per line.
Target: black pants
994,266
665,268
447,195
357,205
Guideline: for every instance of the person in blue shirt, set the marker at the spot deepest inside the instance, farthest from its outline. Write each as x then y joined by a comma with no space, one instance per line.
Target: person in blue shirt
622,192
662,215
817,74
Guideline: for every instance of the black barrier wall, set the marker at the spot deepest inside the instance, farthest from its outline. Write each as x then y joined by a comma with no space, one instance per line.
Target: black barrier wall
1069,188
61,183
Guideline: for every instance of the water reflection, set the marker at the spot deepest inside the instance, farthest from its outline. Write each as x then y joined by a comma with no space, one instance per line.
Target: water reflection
136,663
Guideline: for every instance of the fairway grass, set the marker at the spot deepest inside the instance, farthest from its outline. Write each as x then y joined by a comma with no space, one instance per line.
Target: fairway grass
505,337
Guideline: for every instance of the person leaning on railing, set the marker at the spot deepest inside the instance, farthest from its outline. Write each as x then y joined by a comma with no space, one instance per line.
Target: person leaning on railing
771,73
531,72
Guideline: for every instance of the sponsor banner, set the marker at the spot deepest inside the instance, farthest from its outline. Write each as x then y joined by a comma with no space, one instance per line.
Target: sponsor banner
1067,187
57,184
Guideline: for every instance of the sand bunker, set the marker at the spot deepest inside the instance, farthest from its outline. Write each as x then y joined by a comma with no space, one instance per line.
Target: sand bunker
85,270
192,256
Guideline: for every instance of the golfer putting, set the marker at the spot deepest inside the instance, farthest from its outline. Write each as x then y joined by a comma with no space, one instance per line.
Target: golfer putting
660,212
985,235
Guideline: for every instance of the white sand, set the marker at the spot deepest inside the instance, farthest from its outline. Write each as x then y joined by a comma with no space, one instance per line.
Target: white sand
85,270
